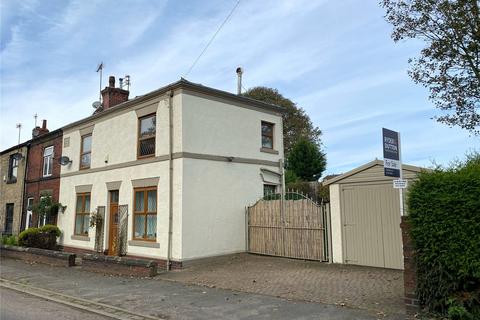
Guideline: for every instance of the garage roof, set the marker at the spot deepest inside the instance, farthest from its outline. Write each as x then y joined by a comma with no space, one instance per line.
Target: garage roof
367,166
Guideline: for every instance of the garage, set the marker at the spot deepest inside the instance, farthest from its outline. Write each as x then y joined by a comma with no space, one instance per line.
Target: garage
365,216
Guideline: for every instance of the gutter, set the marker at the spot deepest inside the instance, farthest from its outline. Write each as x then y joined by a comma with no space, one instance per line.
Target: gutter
170,178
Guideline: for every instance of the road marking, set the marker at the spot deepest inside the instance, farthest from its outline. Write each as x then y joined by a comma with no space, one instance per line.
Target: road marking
75,302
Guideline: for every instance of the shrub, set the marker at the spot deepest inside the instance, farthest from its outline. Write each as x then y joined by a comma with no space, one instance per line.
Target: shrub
9,240
444,211
52,229
44,237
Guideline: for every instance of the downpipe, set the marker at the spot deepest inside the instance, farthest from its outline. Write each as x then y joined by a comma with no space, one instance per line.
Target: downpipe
170,178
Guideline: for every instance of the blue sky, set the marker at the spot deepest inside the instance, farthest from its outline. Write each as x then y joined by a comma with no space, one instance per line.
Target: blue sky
334,58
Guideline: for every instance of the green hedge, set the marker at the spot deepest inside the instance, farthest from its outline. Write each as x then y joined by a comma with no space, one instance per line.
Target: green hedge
444,211
44,237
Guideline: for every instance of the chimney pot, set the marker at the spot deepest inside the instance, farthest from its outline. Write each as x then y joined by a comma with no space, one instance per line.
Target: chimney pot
44,124
111,82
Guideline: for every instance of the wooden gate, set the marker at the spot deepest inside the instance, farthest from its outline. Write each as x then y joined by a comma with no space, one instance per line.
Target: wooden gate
293,226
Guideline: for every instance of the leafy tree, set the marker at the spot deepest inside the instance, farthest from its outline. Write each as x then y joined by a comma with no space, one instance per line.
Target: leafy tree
296,123
306,160
449,65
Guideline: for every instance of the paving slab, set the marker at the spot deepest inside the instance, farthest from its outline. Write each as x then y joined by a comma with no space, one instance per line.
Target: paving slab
171,300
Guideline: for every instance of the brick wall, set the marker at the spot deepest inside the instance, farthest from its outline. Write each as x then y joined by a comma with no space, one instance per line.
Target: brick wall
409,274
36,184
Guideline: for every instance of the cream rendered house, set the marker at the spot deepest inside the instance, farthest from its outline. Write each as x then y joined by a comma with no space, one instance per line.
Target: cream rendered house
182,161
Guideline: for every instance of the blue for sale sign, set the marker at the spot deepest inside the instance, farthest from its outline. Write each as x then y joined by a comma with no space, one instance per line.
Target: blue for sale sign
391,153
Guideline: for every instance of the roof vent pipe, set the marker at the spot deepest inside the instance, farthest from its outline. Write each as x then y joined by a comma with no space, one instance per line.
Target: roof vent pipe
239,80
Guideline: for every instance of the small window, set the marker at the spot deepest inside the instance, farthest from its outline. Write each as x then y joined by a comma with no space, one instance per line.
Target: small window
13,168
86,152
47,161
82,214
269,189
8,228
146,136
267,135
145,214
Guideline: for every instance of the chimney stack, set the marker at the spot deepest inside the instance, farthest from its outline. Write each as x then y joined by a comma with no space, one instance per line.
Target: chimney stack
112,96
239,80
40,131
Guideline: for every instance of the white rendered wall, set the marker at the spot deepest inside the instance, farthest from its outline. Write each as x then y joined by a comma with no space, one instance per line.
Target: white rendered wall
336,221
215,195
218,128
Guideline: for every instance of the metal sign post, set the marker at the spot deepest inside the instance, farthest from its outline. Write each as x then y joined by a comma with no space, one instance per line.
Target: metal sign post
401,176
392,161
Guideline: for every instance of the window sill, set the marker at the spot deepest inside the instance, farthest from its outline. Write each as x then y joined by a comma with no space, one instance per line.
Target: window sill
146,156
267,150
11,181
81,238
147,244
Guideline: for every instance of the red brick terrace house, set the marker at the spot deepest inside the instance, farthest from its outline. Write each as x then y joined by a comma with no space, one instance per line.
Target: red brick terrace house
43,173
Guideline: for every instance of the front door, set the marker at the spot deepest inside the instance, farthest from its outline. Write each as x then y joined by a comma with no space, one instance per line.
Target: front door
114,220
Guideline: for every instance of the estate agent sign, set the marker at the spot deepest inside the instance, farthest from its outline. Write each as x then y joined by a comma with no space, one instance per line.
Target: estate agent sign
391,153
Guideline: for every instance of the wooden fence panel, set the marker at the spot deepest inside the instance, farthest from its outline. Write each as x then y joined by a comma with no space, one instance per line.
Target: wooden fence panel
294,228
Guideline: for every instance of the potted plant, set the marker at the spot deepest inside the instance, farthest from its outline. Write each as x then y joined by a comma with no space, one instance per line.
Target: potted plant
47,208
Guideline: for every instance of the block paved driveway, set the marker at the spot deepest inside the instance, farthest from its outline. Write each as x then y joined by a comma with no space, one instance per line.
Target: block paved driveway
378,291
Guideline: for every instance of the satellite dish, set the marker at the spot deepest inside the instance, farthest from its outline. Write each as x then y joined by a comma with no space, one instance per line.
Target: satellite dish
96,104
64,161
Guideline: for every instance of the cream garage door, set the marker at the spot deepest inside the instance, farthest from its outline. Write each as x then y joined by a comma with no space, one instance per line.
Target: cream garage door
371,225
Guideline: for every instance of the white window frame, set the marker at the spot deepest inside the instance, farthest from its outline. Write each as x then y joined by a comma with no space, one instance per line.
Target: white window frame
48,161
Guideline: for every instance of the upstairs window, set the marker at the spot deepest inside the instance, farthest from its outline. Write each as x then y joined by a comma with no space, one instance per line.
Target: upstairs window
146,136
86,152
47,161
267,135
13,168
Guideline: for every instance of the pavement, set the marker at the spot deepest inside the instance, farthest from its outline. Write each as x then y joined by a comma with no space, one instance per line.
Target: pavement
166,299
376,290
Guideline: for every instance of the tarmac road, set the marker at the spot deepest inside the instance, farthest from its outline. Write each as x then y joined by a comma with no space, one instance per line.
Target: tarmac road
20,306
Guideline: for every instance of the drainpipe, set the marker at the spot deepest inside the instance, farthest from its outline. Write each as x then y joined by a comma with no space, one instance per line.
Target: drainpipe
23,225
170,177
